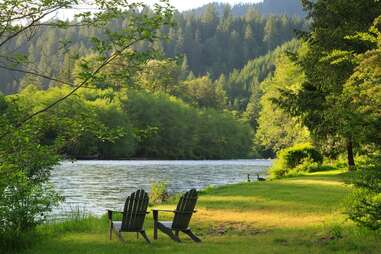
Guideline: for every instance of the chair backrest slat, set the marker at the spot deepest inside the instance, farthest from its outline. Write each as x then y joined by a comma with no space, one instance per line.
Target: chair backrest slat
135,210
184,210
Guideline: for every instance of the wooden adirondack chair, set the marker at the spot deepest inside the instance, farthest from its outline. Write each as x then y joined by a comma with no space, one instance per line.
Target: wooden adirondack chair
134,213
181,219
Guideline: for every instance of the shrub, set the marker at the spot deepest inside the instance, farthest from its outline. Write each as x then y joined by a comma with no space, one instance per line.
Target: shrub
159,193
364,206
295,155
25,165
305,166
295,160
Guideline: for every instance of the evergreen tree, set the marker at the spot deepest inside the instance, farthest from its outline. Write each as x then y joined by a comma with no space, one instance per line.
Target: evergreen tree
318,101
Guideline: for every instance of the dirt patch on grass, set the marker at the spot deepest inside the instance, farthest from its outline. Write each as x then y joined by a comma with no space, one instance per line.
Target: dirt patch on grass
237,228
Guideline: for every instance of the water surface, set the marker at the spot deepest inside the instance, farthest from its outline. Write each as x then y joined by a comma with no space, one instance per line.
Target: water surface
94,186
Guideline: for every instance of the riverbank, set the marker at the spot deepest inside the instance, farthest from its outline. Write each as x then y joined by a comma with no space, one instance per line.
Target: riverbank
294,215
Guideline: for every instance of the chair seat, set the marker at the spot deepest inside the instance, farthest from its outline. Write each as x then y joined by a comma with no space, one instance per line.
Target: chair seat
117,225
168,224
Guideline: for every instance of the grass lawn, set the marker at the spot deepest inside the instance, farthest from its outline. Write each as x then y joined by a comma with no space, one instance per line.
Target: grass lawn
293,215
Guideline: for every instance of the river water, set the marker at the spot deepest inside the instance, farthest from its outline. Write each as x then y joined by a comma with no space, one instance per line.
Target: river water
94,186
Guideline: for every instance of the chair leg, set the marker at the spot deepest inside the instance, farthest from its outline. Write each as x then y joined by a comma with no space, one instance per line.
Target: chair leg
169,232
155,214
155,230
173,236
110,232
121,237
145,236
192,236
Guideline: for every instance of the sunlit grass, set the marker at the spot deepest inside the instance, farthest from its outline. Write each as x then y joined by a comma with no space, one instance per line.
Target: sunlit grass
295,215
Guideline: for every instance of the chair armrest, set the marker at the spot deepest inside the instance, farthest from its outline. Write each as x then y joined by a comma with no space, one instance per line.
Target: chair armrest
194,211
155,213
172,211
110,212
168,211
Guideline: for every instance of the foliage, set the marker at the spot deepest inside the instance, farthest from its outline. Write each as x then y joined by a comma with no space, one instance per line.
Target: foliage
309,166
170,129
160,76
319,102
295,159
249,84
277,129
158,193
294,155
364,206
25,166
203,92
77,127
362,91
134,124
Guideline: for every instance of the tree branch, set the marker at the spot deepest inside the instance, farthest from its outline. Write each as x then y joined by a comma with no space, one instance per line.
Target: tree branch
32,24
35,74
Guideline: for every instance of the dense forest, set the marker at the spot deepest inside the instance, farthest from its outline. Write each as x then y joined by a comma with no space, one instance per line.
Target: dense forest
199,41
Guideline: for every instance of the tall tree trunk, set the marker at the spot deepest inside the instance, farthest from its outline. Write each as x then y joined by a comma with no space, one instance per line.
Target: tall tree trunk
351,159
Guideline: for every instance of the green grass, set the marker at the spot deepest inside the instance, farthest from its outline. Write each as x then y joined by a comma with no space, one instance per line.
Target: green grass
294,215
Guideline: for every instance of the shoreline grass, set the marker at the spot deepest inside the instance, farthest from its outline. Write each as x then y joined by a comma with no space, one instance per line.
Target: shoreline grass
301,214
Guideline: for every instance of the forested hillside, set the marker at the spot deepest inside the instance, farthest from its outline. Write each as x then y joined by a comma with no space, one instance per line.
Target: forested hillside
200,41
267,7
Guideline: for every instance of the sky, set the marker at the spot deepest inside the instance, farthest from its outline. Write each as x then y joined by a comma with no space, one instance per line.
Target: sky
183,5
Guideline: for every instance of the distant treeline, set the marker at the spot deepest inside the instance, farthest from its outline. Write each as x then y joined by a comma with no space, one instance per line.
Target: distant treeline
209,44
290,8
135,124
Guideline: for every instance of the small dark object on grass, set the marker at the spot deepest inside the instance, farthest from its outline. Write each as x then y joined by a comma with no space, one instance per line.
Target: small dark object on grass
260,179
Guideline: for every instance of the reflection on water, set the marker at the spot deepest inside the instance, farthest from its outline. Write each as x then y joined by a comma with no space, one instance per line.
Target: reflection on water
94,186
